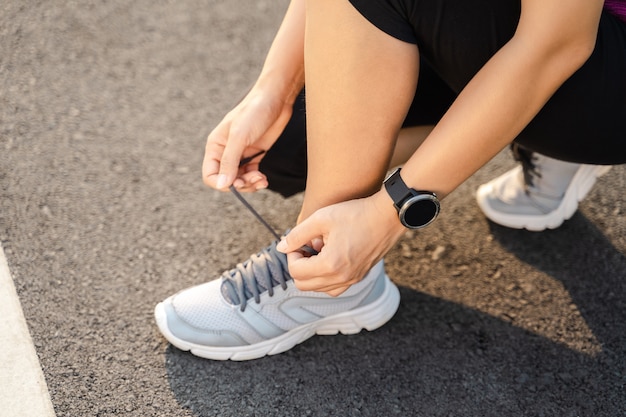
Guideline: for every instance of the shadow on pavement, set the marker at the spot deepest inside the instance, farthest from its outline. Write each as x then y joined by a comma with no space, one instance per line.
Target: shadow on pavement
590,268
438,358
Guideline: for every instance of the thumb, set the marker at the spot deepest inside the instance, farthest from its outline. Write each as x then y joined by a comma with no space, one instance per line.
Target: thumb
310,230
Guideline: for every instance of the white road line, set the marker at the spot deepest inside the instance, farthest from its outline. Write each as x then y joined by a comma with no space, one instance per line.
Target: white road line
23,389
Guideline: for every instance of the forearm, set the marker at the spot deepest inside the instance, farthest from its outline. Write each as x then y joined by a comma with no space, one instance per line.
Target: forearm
283,70
494,107
506,93
489,113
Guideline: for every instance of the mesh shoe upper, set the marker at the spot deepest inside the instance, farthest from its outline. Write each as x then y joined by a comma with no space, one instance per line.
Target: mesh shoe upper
257,301
539,193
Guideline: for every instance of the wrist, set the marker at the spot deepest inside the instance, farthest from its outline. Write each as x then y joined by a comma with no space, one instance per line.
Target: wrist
387,212
416,209
282,87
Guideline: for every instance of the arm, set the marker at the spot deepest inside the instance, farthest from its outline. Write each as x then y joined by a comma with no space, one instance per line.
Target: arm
550,44
283,70
257,121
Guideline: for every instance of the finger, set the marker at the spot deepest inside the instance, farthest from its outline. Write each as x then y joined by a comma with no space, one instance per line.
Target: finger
303,234
337,292
312,273
212,155
322,285
329,285
252,181
300,266
229,164
244,187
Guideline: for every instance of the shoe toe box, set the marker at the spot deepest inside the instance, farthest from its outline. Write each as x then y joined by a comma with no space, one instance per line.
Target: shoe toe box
199,316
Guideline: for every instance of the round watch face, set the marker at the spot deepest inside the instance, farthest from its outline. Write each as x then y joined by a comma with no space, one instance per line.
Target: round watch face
419,211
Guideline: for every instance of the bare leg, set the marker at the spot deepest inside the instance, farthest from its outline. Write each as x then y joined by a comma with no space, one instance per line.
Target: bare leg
360,83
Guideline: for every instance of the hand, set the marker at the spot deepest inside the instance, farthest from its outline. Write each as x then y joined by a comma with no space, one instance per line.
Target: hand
253,125
351,238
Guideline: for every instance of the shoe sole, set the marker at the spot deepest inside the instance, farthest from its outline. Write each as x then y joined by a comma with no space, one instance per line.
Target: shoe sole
579,187
369,317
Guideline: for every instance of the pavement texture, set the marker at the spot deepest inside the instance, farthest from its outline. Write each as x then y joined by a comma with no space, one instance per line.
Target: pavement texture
23,388
104,110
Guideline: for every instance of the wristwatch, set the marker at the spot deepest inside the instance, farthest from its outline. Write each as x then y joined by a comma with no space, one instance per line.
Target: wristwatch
416,209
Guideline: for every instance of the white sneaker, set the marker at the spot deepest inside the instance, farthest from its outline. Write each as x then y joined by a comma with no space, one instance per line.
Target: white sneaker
540,193
255,310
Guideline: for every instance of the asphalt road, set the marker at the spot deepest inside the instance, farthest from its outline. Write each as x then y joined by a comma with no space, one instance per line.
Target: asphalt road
104,109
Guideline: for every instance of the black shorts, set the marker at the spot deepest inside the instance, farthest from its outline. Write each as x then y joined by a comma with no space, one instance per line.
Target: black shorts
584,121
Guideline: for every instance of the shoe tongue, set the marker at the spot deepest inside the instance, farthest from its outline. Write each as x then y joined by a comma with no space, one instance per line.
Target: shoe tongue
262,264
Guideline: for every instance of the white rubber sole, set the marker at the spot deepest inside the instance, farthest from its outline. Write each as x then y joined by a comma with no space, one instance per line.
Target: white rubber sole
369,317
579,187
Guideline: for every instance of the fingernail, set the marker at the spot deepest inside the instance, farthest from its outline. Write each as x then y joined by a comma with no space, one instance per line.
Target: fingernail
282,245
221,181
261,186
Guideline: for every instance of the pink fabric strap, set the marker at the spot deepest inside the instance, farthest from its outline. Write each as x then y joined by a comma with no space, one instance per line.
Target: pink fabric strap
616,7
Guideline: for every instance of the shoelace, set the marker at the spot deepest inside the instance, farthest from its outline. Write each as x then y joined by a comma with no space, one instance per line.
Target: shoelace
528,166
261,272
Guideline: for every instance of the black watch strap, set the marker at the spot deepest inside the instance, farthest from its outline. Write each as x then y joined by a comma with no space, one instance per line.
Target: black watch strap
416,209
397,189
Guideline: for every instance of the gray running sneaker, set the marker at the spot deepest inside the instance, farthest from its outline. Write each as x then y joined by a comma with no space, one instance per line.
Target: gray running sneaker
255,310
540,193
